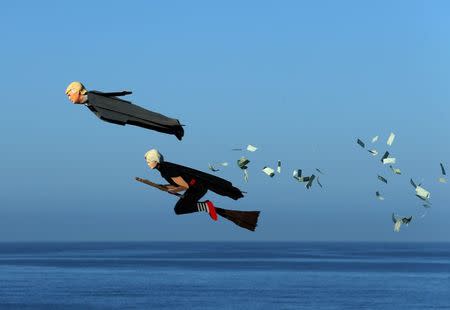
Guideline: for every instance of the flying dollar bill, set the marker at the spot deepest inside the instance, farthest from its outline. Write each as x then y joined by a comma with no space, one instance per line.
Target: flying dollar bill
398,221
279,166
251,148
422,193
361,144
382,179
297,174
310,181
389,160
395,170
269,171
379,196
373,152
242,162
318,182
212,168
374,139
391,138
245,175
442,179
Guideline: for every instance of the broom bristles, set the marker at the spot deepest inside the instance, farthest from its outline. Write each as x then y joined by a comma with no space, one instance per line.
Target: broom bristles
244,219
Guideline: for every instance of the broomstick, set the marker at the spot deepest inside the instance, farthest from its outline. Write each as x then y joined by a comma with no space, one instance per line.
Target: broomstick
244,219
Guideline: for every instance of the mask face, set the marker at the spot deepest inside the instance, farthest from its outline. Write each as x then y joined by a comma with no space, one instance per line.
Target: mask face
75,96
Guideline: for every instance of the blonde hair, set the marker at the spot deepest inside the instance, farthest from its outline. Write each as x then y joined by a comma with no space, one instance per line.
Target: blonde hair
76,86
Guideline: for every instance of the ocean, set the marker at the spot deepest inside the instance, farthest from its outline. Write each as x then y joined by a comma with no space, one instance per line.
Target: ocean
224,275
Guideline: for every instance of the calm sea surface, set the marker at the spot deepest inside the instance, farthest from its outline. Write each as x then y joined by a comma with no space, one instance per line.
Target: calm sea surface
224,275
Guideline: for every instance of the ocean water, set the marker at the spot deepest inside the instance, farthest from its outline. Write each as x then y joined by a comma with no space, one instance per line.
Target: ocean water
224,275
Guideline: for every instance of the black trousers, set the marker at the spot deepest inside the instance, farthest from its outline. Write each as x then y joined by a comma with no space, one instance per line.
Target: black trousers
188,203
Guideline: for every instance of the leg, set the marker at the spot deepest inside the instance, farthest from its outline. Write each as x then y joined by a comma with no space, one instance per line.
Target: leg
188,203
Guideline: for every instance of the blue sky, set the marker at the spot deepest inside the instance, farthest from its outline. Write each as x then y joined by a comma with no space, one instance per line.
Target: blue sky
299,79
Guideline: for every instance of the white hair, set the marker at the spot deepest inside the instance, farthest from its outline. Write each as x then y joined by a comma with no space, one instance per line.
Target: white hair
153,155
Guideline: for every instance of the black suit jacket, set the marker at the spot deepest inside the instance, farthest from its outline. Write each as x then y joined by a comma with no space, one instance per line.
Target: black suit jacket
118,111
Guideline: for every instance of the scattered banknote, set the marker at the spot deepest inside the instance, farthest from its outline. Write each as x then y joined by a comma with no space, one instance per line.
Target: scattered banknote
297,174
382,179
395,170
318,170
422,193
391,138
442,179
251,148
386,155
242,162
379,196
389,160
361,144
318,182
269,171
212,168
398,221
374,139
310,181
279,166
373,152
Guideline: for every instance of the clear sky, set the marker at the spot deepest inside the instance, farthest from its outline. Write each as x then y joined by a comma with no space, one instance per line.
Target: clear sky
302,80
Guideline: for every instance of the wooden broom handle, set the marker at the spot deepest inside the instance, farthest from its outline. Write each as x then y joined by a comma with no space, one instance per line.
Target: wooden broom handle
158,186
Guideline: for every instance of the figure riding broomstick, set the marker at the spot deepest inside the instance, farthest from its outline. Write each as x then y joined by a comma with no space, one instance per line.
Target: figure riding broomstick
195,185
